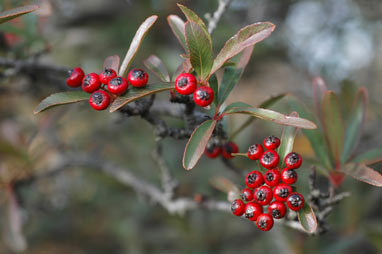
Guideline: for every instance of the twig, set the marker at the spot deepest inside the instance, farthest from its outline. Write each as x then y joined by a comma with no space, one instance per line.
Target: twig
216,16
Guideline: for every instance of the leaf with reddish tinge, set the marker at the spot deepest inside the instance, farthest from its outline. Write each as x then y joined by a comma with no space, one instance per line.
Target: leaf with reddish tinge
136,43
57,99
225,185
307,218
197,143
136,93
319,90
363,173
370,156
155,64
192,16
16,12
287,141
111,62
177,26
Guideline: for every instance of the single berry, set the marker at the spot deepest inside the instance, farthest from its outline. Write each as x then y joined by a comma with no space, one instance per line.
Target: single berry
272,177
293,160
289,176
246,194
213,152
255,151
107,75
237,207
91,83
118,85
185,83
99,100
203,96
254,179
269,159
295,201
138,77
264,222
277,209
76,75
229,148
271,142
263,195
252,210
281,192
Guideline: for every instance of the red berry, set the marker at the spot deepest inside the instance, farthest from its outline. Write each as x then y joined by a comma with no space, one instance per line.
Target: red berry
269,159
263,195
213,152
281,192
203,96
271,142
99,100
185,83
237,207
272,177
229,148
277,209
76,75
246,194
252,210
138,77
293,160
118,85
289,176
254,179
295,201
91,83
255,151
264,222
107,75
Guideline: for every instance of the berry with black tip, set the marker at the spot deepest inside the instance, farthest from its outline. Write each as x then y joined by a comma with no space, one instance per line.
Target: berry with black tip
269,159
237,207
91,83
263,195
185,83
138,77
99,100
293,160
252,211
254,179
271,142
228,149
246,194
203,96
118,85
213,151
295,201
107,75
282,191
76,75
272,177
255,151
277,209
289,176
264,222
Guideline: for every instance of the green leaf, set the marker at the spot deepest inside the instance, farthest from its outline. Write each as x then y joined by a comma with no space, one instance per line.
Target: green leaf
354,124
136,93
155,65
16,12
225,185
369,157
192,16
177,26
111,62
136,43
246,37
213,82
274,116
319,90
347,97
237,105
230,78
363,173
333,125
200,49
61,99
197,143
307,218
287,141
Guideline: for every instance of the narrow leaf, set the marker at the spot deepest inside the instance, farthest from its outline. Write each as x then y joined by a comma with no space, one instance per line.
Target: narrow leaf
213,82
307,218
154,64
237,105
369,157
177,26
225,185
16,12
230,78
197,143
347,97
61,99
192,16
111,62
138,93
319,90
136,43
287,141
363,173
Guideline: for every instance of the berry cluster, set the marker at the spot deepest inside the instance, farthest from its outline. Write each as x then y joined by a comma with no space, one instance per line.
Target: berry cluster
106,86
214,149
187,84
272,189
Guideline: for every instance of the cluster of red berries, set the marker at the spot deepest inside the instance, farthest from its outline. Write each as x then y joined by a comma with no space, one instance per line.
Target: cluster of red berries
214,150
105,86
187,84
272,189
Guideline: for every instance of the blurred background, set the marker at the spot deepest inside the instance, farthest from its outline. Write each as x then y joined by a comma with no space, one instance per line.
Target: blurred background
80,210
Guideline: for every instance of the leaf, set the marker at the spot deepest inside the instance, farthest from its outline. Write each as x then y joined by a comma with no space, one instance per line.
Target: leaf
213,82
16,12
154,64
230,78
246,37
136,43
200,49
347,97
369,157
177,26
333,125
197,143
192,16
237,105
245,57
354,124
61,99
307,218
136,93
225,185
319,90
363,173
111,62
287,141
274,116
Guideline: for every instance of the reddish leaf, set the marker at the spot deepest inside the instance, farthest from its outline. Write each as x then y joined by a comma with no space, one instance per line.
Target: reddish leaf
155,64
16,12
177,26
111,62
307,219
363,173
245,57
319,90
192,16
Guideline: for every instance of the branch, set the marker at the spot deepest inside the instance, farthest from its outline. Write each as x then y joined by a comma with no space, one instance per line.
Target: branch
216,16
